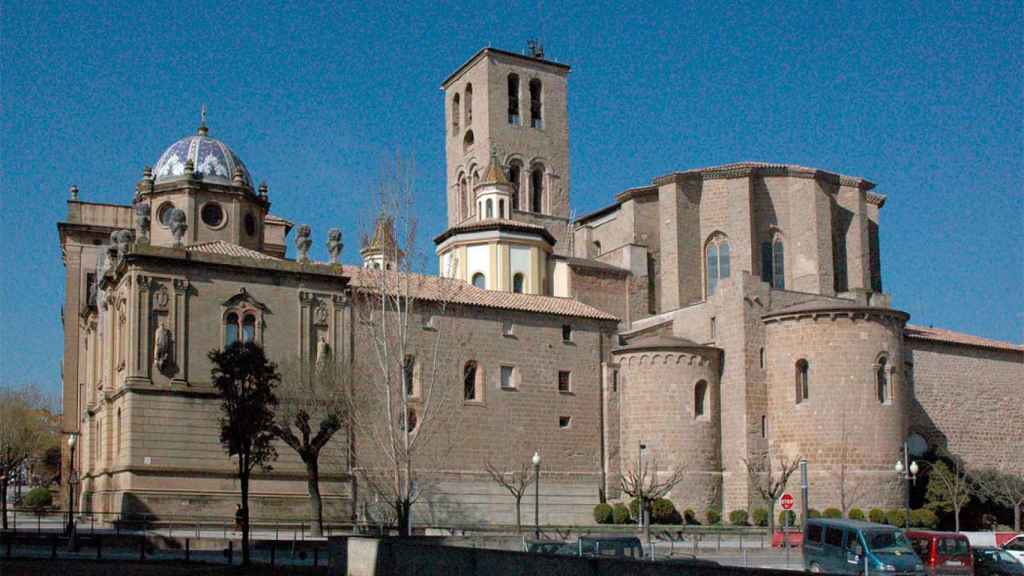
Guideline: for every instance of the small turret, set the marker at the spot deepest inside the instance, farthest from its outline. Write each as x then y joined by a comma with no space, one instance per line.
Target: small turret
381,251
494,192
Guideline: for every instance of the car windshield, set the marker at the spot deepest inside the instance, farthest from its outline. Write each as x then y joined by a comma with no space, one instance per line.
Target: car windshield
1000,556
887,541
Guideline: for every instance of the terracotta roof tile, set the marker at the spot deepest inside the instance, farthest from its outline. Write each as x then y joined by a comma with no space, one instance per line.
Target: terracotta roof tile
228,249
434,288
950,337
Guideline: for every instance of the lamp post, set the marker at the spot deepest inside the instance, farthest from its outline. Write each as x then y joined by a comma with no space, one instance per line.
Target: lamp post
641,509
908,474
536,495
803,490
72,480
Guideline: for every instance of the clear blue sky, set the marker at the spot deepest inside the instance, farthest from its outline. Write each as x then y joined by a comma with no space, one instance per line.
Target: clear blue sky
923,98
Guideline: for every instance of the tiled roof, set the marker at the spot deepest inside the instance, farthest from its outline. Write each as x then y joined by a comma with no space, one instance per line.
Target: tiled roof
495,224
822,305
737,169
588,263
950,337
651,342
437,289
228,249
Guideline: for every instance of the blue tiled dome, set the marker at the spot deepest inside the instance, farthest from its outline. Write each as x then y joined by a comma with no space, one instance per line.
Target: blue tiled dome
213,160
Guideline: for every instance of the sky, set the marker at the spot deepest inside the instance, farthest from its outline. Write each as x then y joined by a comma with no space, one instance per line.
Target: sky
923,99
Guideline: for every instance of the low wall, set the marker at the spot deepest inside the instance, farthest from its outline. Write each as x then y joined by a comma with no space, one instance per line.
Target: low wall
393,557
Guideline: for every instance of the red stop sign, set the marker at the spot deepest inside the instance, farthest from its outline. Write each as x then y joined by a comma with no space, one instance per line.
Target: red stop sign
786,500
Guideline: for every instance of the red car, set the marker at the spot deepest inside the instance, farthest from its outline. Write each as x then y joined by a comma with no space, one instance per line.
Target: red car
943,553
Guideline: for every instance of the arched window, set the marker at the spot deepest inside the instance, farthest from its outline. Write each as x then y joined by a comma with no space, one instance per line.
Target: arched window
764,426
249,328
230,329
778,265
479,280
501,209
537,189
514,172
409,376
412,420
464,196
718,262
597,247
513,99
700,398
472,376
518,281
455,114
476,178
469,104
762,358
882,381
803,381
467,141
489,210
536,120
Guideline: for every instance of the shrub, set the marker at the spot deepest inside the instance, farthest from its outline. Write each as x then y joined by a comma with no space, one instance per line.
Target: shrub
603,513
833,513
690,517
738,517
713,516
924,518
855,514
38,499
896,517
791,515
760,516
620,514
664,512
876,515
813,513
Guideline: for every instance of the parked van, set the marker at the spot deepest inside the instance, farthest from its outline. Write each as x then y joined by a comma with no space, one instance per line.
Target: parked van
943,553
846,546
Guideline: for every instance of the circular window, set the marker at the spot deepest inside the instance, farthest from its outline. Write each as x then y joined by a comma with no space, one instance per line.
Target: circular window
250,224
163,215
212,214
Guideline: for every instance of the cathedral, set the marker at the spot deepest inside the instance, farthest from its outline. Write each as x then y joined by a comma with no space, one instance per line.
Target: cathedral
705,320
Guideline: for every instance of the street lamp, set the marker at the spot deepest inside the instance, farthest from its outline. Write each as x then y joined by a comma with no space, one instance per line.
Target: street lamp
641,509
908,474
536,495
72,480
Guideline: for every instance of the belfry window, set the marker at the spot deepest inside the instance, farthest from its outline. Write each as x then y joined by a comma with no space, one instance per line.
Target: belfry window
409,376
469,104
513,99
514,172
718,265
455,114
479,280
464,197
489,210
472,381
536,120
518,283
882,382
700,399
803,381
537,189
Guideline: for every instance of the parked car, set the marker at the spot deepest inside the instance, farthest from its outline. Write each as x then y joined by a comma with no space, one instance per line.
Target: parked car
611,546
989,561
943,553
1016,547
844,546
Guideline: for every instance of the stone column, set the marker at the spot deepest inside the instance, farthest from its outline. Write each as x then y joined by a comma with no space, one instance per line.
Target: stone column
180,319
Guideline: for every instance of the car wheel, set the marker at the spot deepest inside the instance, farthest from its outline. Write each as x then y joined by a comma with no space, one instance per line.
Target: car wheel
815,569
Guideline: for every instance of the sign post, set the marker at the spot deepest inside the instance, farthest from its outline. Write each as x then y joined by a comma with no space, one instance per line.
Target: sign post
786,501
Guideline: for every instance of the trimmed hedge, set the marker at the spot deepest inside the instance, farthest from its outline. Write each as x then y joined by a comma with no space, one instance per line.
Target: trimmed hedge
738,517
620,514
760,517
603,513
833,513
663,511
923,518
792,517
813,513
876,515
690,517
855,514
38,499
713,516
896,517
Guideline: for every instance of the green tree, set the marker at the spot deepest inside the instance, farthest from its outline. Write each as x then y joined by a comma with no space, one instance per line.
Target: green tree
246,380
22,430
949,489
1001,488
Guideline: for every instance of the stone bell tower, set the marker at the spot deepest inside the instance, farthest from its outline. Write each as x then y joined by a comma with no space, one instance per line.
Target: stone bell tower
515,104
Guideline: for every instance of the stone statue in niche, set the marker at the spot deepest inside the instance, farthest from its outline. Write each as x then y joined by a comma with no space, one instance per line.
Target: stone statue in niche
303,242
178,225
320,314
161,298
164,349
323,352
334,244
142,221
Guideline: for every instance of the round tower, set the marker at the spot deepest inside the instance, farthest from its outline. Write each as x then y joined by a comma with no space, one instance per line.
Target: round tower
670,404
837,397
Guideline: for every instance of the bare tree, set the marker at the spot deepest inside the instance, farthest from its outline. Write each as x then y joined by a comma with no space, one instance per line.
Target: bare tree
770,481
851,489
23,428
400,399
516,482
643,482
1002,488
310,411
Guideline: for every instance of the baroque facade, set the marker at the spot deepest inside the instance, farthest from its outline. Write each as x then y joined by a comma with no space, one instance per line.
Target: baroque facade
712,316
